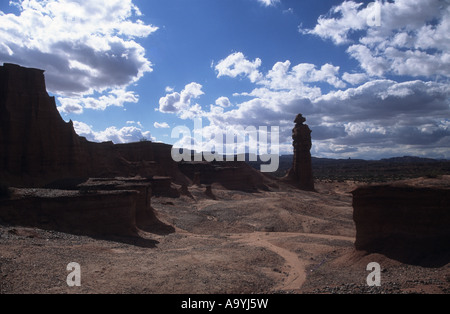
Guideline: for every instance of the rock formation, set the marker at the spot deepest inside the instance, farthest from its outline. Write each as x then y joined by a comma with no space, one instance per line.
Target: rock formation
301,171
37,147
406,219
237,175
34,140
39,150
209,192
103,213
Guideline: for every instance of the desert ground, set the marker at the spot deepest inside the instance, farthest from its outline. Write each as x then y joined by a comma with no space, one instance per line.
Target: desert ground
282,241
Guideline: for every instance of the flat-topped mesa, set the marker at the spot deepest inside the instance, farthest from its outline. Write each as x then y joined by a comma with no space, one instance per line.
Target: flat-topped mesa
301,171
34,139
16,78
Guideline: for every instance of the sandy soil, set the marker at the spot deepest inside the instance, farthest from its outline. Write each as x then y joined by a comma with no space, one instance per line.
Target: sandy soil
282,241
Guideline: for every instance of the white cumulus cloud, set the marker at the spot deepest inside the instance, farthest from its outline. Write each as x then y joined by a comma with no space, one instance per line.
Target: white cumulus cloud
410,38
223,102
371,119
237,64
181,103
126,134
268,2
85,47
115,98
355,78
163,125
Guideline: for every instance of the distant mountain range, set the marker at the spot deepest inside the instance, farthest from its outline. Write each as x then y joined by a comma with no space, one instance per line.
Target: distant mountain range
388,169
409,159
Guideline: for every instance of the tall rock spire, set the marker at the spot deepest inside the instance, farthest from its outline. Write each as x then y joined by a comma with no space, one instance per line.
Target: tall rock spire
301,171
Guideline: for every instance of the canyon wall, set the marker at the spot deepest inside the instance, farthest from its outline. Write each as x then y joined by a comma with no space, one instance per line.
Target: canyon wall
103,213
37,147
64,182
34,140
407,217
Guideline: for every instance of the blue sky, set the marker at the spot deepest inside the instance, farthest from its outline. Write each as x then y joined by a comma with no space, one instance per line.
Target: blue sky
371,79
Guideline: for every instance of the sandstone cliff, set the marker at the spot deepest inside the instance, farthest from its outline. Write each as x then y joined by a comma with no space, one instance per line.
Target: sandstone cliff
34,141
37,147
104,213
407,219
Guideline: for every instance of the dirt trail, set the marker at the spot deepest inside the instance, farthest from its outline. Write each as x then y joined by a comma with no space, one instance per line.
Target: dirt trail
296,268
274,242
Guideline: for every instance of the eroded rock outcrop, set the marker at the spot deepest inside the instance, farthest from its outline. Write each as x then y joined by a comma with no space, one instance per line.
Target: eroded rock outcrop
103,213
34,140
301,171
406,219
37,147
234,175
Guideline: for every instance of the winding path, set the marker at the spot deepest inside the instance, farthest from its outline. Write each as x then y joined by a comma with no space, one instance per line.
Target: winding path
296,267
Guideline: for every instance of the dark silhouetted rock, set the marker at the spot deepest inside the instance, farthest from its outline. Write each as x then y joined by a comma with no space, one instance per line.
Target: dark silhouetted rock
197,180
407,219
209,192
232,175
103,213
35,142
38,148
301,171
163,187
145,215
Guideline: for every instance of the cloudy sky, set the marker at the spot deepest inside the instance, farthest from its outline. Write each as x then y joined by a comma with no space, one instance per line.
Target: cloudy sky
372,79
